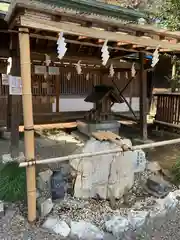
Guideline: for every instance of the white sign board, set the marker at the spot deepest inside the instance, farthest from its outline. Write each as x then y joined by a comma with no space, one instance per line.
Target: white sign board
15,85
39,69
5,80
53,71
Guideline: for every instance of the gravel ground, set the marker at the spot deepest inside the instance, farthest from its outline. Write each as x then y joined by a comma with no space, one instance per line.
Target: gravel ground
15,226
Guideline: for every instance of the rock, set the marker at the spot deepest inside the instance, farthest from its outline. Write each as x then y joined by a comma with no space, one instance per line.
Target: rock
117,225
7,218
108,236
85,230
137,218
46,175
164,209
6,158
1,208
44,180
106,175
37,194
56,226
166,173
153,166
157,186
158,216
29,235
45,206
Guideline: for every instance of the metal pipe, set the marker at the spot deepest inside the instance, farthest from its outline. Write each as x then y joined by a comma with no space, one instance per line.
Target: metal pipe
116,150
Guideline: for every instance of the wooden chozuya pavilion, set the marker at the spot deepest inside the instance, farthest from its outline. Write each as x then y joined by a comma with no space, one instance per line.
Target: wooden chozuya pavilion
85,25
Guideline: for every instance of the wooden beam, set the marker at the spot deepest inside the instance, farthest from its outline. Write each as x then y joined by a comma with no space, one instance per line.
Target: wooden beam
89,44
86,60
70,28
143,99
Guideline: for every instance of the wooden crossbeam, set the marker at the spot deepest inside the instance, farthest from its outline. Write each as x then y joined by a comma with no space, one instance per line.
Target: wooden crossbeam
90,44
74,29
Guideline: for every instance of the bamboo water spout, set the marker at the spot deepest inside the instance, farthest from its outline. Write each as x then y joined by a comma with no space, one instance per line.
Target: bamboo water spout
116,150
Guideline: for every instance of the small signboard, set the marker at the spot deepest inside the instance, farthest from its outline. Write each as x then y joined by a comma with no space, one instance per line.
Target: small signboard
53,71
15,85
38,69
5,81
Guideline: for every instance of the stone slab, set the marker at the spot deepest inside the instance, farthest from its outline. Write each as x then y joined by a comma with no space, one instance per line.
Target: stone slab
87,128
44,206
84,230
1,208
57,226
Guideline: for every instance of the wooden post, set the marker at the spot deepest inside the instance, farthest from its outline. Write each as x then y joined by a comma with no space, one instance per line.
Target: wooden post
143,99
57,92
14,101
173,77
24,44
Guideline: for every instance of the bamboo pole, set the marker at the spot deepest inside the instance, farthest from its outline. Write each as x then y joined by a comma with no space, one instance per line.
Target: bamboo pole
25,61
116,150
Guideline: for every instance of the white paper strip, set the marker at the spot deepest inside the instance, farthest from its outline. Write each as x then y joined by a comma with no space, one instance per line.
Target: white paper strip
119,75
78,68
111,71
133,70
87,76
105,53
69,76
155,58
9,66
61,48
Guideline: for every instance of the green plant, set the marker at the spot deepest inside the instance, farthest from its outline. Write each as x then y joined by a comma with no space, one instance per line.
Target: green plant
176,172
168,14
12,182
174,78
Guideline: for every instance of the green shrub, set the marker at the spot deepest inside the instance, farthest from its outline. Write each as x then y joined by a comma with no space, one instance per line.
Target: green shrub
12,182
176,172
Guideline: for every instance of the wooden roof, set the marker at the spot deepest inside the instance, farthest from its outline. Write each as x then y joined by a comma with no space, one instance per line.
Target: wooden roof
92,20
99,92
96,7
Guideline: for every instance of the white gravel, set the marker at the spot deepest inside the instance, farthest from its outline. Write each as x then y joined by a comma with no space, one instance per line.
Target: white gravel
15,226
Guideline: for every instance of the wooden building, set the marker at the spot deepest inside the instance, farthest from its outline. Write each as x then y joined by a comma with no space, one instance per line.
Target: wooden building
58,97
67,101
86,25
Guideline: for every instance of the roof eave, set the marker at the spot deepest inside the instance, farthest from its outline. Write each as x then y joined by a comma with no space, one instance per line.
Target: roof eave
81,5
10,12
